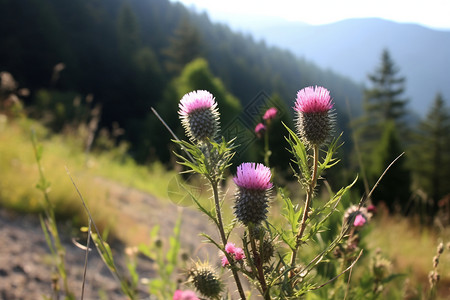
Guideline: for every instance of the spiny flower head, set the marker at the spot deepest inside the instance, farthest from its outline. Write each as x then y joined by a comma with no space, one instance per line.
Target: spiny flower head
270,114
252,197
199,115
253,176
206,280
314,118
313,100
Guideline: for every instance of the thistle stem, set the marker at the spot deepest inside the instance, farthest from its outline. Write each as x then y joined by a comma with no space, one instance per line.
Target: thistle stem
258,262
214,184
309,196
267,152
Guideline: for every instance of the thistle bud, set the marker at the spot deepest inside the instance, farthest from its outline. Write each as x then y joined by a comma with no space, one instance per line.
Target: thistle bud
252,197
314,119
206,281
199,115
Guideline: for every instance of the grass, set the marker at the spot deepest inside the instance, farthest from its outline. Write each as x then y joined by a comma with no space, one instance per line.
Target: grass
94,175
409,247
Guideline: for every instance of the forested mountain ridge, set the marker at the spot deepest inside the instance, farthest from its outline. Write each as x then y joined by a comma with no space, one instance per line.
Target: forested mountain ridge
353,47
127,54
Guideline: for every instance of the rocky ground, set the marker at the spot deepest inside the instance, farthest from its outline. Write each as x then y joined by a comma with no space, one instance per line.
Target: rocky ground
25,261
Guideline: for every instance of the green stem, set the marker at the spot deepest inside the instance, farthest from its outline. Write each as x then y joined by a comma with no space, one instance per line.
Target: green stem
214,184
51,222
258,262
309,196
267,152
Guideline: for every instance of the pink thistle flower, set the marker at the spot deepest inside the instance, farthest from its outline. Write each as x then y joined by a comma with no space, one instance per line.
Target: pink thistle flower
196,100
230,248
239,254
313,100
314,120
359,221
225,261
252,197
184,295
260,129
253,176
270,114
199,115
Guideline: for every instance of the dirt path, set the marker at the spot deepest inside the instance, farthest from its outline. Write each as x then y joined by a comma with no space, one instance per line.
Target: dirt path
25,265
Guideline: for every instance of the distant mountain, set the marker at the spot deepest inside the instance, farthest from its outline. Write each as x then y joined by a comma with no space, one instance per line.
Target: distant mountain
353,48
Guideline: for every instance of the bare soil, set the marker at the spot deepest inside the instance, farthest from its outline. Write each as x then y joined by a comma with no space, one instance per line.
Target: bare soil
25,262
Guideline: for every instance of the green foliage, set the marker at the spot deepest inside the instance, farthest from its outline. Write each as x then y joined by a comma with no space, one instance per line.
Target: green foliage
394,189
49,225
166,259
185,46
132,66
430,153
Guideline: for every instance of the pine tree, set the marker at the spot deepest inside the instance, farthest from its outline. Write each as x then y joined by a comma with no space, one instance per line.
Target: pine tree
383,104
394,189
185,46
431,153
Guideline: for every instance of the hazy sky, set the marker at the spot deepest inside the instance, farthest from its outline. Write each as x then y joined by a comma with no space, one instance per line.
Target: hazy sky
431,13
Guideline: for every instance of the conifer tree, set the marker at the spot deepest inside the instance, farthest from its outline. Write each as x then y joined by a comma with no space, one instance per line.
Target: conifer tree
383,102
380,132
431,153
394,189
184,47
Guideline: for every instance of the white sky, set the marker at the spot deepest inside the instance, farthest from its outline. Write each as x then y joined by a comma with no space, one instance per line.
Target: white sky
431,13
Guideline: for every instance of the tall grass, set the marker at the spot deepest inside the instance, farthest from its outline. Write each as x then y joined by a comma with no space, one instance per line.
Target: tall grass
19,175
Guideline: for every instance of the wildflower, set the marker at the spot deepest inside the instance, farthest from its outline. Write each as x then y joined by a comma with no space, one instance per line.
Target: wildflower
230,248
270,114
359,221
239,254
184,295
224,261
206,281
314,119
199,115
254,184
357,216
260,129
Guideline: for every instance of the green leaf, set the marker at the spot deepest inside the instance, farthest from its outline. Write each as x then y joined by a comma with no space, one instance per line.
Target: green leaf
298,150
328,160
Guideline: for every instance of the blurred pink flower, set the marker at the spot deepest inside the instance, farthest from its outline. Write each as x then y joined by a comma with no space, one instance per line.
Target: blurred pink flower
359,221
225,261
230,248
270,113
239,254
253,176
313,100
260,129
184,295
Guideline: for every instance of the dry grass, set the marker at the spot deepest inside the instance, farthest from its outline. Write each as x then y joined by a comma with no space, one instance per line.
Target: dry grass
411,249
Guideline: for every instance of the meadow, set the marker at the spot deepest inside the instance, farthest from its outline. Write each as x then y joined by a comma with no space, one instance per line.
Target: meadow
406,246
